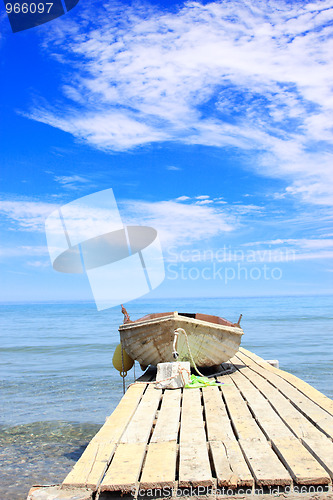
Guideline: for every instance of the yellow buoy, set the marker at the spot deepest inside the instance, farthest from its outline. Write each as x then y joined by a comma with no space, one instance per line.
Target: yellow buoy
117,360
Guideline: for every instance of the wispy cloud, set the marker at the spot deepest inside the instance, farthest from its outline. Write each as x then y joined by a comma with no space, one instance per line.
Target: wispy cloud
253,75
72,182
306,243
181,222
39,263
173,168
234,209
183,198
185,222
292,249
110,130
23,251
26,214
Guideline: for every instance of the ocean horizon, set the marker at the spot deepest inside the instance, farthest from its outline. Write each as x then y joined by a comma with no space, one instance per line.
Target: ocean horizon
59,385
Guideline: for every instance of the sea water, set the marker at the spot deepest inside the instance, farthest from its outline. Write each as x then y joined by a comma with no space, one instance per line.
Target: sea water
58,384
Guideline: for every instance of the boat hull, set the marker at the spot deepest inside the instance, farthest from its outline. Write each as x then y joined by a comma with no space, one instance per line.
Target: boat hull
150,341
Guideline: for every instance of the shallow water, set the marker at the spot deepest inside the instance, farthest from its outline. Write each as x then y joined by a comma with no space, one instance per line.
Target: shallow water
39,453
58,383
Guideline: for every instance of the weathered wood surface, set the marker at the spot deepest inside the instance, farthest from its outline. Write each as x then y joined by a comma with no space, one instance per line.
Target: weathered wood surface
123,473
302,466
168,422
229,463
160,465
321,418
318,444
261,427
265,465
89,470
316,396
194,465
139,428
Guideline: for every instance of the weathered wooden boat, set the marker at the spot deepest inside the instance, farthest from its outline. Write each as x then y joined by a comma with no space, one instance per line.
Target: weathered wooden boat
210,340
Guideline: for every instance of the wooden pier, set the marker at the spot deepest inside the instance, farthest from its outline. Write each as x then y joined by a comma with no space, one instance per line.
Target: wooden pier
262,431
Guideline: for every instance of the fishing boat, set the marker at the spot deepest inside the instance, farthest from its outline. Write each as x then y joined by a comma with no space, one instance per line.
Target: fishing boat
201,339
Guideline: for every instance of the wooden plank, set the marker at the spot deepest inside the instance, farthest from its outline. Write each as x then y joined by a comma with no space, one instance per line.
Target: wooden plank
224,472
194,465
265,466
295,420
318,444
217,421
318,397
192,424
167,425
125,468
321,418
160,466
139,428
90,468
115,424
260,462
99,465
81,470
223,443
244,424
302,466
238,464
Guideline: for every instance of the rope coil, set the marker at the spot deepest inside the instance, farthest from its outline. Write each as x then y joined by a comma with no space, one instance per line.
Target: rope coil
176,333
180,370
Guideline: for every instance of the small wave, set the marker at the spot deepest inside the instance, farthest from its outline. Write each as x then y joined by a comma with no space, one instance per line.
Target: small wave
56,347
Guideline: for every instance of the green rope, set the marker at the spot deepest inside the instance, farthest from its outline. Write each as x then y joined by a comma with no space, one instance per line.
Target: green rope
198,382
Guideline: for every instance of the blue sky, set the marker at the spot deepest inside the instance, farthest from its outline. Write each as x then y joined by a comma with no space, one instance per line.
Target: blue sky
211,121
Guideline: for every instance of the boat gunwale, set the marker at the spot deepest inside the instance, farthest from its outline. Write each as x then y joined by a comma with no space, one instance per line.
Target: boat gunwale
177,317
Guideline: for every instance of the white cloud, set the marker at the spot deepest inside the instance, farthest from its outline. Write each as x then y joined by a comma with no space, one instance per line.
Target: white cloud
183,198
179,223
292,249
30,216
110,131
141,76
184,222
71,182
242,209
23,251
305,243
172,167
39,263
204,202
26,214
287,254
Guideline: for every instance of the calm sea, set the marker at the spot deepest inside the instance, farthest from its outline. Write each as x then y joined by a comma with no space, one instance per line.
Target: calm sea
58,383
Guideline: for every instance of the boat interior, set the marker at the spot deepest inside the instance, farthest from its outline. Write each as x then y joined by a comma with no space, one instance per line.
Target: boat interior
201,317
